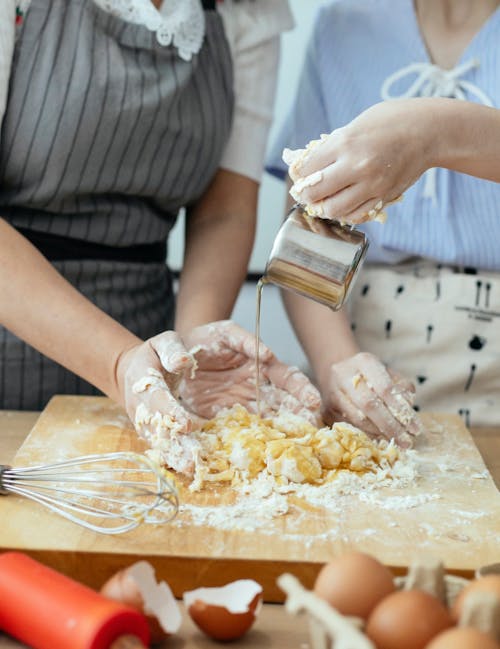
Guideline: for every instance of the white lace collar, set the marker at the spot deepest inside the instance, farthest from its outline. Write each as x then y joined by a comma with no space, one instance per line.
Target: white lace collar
180,23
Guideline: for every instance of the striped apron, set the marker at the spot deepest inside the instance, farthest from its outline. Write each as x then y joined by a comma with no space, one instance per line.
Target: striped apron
107,134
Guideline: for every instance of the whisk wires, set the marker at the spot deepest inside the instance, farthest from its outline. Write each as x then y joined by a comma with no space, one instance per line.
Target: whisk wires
109,493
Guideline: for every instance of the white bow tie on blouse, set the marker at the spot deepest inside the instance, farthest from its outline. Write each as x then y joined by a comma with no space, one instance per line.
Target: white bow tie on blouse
433,81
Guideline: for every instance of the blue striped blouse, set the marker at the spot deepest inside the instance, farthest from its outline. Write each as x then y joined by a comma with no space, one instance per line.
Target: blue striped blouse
355,46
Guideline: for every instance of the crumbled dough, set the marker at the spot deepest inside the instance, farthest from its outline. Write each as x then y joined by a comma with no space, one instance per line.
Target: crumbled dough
152,381
169,446
356,380
236,447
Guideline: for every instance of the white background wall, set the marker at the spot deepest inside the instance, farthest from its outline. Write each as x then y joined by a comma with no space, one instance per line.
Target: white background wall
275,330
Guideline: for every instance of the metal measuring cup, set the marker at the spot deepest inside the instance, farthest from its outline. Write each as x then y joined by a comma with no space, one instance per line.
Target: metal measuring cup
316,258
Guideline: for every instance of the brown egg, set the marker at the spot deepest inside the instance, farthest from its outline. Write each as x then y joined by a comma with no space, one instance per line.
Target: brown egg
225,613
487,584
137,587
354,584
464,638
408,619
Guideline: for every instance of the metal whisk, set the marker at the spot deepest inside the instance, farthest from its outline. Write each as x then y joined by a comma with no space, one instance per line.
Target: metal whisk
109,493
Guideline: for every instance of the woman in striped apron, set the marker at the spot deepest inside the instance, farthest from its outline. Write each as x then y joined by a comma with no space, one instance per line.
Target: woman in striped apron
428,300
113,121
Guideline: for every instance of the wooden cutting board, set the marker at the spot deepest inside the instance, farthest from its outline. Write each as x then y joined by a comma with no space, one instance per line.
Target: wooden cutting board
452,512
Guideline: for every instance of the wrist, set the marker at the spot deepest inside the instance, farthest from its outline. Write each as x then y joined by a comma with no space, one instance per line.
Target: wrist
441,127
120,364
323,368
430,132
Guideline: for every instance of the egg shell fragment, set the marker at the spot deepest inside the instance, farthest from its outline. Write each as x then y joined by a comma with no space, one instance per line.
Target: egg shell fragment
227,612
354,583
137,587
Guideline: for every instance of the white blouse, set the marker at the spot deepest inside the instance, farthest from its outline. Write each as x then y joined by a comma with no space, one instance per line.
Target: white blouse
252,28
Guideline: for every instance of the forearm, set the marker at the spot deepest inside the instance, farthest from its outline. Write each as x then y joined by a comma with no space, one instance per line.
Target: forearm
325,335
465,136
220,232
42,308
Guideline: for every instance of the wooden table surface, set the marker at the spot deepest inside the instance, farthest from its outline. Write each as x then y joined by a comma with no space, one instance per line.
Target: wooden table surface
274,627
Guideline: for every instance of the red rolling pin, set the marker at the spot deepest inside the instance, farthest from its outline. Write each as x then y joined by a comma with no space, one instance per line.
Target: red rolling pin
47,610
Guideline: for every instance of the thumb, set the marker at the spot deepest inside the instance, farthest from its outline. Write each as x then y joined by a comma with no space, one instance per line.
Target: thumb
172,353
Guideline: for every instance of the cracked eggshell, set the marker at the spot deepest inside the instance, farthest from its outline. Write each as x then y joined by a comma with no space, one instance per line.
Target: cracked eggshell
137,587
227,612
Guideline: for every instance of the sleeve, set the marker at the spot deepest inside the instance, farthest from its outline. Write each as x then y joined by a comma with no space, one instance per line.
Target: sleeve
7,36
307,117
253,29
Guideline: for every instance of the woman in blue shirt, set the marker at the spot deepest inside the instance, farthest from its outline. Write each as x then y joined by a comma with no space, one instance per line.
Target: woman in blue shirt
428,301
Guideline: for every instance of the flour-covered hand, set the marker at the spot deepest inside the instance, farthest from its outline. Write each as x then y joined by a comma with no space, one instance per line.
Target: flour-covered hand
354,172
226,374
362,391
149,375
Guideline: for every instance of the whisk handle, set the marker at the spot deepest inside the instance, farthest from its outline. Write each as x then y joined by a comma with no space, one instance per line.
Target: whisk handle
3,469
